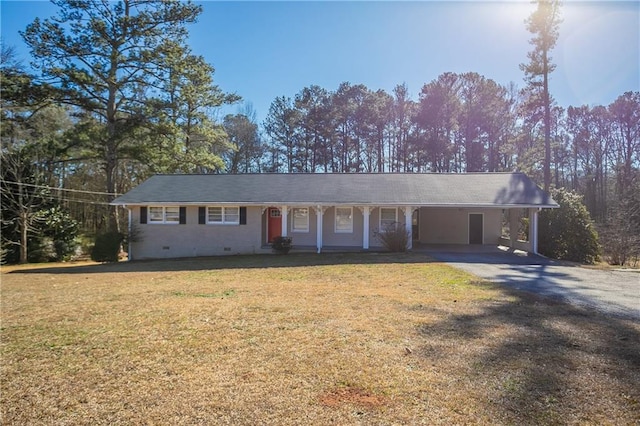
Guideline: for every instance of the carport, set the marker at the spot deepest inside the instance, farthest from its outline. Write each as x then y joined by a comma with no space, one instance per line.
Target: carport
478,225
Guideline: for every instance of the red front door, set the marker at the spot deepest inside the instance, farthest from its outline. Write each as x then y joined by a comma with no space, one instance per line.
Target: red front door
274,225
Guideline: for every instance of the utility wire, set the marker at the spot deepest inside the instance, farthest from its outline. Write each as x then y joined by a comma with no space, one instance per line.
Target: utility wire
74,200
53,188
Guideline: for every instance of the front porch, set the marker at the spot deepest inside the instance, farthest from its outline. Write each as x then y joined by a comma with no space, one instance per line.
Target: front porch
335,228
357,228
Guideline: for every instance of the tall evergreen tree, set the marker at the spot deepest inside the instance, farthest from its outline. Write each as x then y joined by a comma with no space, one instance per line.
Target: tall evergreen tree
283,127
183,135
402,115
108,59
316,122
437,118
243,134
543,24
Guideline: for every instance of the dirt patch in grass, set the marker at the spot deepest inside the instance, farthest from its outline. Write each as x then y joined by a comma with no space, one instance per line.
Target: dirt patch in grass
303,339
352,395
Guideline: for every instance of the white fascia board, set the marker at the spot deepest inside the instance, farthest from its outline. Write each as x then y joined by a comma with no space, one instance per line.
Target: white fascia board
330,204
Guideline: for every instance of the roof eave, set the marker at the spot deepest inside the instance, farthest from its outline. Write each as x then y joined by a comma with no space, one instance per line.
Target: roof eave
329,204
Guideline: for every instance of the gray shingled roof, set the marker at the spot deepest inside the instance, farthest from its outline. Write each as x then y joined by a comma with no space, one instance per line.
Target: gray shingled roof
410,189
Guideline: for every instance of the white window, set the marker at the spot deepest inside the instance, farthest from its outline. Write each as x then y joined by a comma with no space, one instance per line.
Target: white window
214,215
172,214
344,219
232,215
388,218
164,214
300,221
156,214
223,215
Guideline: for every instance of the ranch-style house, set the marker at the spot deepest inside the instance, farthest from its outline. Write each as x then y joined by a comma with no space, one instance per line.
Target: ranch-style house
217,214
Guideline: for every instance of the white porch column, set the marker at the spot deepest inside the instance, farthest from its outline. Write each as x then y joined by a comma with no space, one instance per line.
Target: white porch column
284,213
408,225
533,230
319,220
366,212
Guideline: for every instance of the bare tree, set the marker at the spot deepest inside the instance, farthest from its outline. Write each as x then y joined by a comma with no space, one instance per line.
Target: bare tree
22,198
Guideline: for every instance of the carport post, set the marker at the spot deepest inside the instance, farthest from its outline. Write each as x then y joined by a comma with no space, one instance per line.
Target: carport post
533,229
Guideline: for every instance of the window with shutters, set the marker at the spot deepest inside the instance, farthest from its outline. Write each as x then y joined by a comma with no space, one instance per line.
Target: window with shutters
219,215
164,215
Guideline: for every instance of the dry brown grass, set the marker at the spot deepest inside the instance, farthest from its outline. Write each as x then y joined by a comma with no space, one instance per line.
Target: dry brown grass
304,339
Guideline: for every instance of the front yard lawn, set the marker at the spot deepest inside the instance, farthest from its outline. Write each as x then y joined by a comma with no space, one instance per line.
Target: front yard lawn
303,339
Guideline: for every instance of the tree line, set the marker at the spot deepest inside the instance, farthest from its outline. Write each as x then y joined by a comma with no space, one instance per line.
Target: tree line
114,94
459,123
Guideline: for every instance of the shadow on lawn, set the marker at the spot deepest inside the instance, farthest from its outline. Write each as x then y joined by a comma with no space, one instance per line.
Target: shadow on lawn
233,262
557,361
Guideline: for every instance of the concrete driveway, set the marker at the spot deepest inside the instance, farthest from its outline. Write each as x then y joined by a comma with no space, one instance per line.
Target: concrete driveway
614,292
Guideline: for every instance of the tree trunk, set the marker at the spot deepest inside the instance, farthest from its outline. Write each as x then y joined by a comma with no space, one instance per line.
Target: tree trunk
547,123
24,228
110,168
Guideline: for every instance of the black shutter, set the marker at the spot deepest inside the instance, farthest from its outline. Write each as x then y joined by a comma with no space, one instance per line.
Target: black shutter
183,215
143,214
243,215
202,215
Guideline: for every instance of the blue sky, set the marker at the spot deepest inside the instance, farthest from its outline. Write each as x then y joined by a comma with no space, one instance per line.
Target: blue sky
262,50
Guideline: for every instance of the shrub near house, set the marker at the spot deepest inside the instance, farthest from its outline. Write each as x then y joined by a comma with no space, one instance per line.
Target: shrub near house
568,232
107,247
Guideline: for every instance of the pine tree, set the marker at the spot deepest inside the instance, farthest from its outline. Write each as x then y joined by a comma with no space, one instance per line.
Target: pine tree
111,60
543,24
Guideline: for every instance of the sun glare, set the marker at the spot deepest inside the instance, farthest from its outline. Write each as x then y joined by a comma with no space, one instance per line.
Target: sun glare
513,13
603,62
